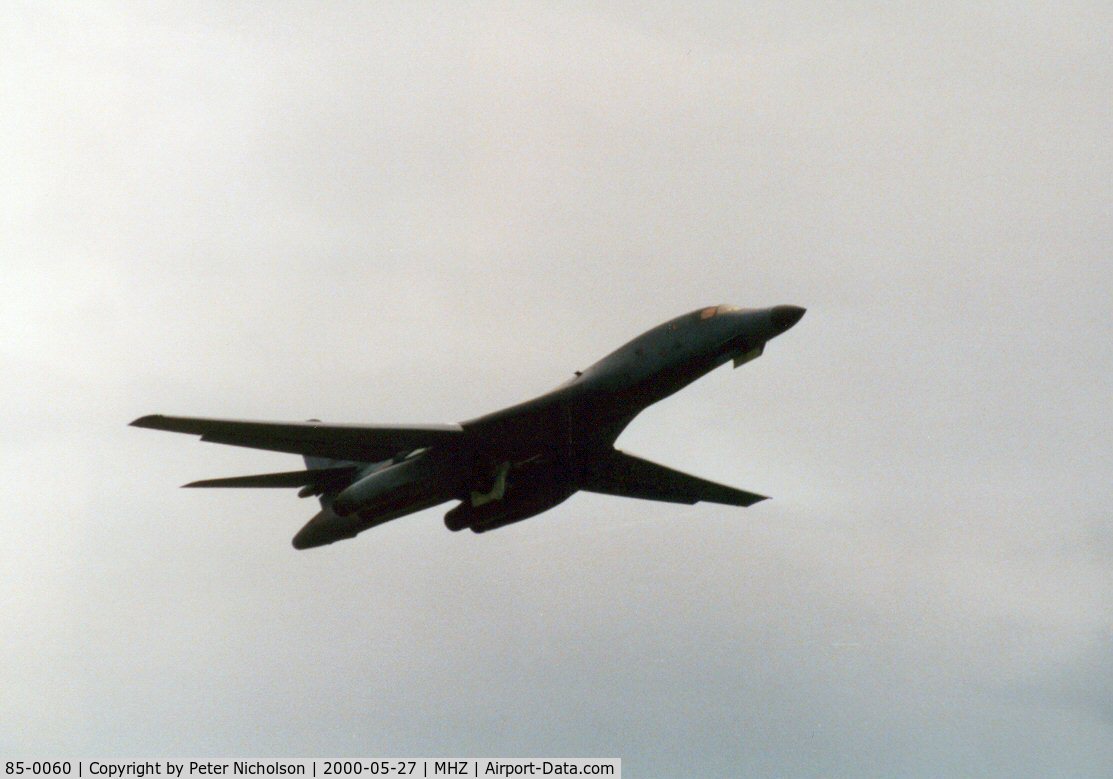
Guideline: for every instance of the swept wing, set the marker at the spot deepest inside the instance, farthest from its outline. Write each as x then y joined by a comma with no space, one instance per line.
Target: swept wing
632,477
362,443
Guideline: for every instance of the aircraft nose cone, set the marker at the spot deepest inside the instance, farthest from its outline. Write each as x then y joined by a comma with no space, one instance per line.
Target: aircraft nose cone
785,317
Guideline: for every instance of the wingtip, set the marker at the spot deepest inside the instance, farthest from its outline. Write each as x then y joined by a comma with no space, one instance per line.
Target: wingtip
144,421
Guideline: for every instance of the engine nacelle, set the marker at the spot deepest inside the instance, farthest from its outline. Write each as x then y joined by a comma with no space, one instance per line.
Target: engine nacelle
499,513
410,479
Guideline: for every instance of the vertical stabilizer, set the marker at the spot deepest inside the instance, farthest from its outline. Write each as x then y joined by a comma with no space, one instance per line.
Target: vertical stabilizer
313,462
326,497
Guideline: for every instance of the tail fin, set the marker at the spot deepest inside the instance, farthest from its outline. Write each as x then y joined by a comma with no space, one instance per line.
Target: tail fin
313,462
329,493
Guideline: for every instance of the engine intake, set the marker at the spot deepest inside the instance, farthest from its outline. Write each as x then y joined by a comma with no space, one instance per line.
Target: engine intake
507,511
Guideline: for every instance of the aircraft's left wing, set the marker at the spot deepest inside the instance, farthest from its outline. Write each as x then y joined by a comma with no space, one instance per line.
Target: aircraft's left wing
362,443
632,477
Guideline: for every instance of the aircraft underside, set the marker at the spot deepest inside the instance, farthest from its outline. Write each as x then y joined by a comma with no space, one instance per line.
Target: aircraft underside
514,463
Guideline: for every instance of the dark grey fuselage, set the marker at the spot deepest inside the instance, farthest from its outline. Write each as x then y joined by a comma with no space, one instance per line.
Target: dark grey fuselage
520,461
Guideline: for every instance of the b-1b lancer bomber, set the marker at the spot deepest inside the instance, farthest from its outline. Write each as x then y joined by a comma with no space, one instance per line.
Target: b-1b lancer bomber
515,463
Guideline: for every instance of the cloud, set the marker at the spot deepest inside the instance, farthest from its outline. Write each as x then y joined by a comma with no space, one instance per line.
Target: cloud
396,213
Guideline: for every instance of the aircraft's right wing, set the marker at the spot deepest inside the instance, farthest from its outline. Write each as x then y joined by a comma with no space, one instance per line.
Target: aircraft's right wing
632,477
362,443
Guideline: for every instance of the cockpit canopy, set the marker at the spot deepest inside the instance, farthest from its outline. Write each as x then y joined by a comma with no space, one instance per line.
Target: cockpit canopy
707,313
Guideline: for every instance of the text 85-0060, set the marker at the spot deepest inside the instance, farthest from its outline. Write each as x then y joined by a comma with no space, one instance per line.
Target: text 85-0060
43,768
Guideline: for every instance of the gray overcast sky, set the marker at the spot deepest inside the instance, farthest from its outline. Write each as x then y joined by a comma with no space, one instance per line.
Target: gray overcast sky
403,212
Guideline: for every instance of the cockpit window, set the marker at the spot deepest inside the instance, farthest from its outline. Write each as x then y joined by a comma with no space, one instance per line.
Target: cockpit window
707,313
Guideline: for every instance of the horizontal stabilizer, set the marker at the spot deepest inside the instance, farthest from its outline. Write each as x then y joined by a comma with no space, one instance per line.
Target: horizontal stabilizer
362,443
632,477
317,477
